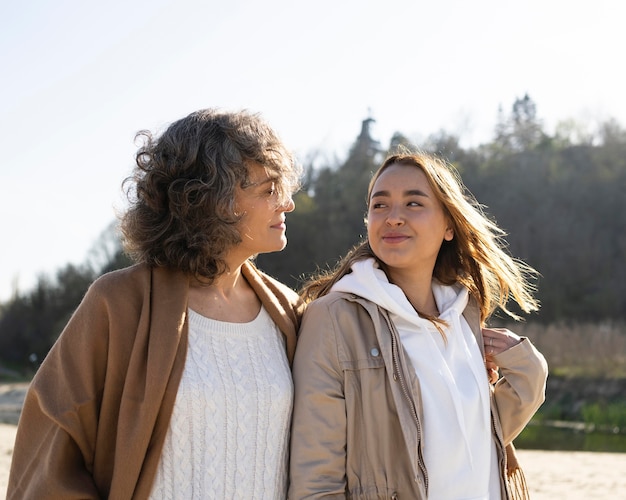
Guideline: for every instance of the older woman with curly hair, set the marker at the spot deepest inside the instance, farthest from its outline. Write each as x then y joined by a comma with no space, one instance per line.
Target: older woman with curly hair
172,378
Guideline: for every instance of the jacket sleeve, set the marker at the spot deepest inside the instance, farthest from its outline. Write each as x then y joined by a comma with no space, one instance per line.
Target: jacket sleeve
55,441
521,390
318,436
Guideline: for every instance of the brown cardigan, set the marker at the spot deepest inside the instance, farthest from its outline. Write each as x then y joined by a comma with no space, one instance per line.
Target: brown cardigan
98,409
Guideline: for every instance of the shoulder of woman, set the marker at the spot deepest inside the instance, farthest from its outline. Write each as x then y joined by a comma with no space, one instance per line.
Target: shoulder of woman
129,286
120,277
339,302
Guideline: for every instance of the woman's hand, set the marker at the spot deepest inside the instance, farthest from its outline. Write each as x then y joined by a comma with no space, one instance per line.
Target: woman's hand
498,340
492,370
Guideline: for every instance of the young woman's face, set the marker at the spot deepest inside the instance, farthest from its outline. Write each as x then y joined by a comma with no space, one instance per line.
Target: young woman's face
262,226
406,223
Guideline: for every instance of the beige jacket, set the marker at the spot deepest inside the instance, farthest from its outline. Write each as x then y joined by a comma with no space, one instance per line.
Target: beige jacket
98,409
356,429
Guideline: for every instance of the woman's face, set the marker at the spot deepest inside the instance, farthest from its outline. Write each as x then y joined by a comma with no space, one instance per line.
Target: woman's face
262,226
406,222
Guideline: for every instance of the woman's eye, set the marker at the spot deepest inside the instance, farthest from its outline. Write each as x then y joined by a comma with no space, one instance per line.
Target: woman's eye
378,205
414,204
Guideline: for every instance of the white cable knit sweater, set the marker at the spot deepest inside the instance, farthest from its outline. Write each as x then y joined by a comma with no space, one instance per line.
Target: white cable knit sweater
229,432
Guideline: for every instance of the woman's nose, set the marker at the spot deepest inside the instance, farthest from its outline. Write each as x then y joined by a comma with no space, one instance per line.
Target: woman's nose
288,205
394,217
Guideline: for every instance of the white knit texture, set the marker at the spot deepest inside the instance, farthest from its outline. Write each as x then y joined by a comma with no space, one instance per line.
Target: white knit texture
229,433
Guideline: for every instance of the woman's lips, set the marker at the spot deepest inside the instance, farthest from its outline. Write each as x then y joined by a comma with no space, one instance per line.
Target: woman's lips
395,238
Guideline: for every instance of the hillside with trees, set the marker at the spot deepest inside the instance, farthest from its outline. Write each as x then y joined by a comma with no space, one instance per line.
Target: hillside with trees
560,198
561,203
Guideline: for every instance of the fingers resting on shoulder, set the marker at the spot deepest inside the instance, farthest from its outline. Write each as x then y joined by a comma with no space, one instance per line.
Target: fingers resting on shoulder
498,340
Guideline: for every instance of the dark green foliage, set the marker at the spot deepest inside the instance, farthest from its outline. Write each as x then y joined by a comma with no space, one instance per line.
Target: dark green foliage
30,324
564,210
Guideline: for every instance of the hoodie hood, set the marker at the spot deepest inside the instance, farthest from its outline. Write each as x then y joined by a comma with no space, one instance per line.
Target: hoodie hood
367,280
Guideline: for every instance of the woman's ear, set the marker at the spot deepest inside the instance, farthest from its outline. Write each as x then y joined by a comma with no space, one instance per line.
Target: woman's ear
449,234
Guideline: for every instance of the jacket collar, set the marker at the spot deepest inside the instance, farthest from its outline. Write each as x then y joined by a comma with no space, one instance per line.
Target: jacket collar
471,312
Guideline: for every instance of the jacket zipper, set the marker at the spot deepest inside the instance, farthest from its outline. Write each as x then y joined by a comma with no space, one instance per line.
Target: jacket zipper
405,390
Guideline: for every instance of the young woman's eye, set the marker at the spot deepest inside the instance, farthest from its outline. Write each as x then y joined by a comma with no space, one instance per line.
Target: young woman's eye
378,205
414,204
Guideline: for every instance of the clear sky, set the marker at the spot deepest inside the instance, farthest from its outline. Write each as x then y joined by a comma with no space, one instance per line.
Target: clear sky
78,79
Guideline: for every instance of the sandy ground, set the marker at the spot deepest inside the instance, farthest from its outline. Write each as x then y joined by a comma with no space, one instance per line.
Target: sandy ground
551,475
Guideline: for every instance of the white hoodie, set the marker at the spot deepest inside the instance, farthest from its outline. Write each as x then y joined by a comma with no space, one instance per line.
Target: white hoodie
459,450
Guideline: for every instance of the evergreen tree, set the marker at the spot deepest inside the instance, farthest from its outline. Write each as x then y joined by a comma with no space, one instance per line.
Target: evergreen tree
521,130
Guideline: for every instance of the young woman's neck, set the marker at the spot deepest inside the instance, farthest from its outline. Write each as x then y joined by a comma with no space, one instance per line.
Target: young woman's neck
417,288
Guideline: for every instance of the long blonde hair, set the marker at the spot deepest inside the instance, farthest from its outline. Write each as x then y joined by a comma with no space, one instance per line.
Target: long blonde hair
476,257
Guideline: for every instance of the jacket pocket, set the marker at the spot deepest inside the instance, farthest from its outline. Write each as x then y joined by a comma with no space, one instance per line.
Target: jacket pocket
372,431
373,359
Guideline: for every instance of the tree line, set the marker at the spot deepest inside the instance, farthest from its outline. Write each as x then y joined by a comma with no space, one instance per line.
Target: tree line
560,198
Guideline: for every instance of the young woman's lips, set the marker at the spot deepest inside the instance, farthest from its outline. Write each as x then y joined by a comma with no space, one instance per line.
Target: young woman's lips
281,225
395,238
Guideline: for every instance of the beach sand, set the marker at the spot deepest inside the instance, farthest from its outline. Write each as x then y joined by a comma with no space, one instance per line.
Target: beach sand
551,475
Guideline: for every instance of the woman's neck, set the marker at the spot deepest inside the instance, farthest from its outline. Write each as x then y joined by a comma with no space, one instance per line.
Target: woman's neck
229,298
417,288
